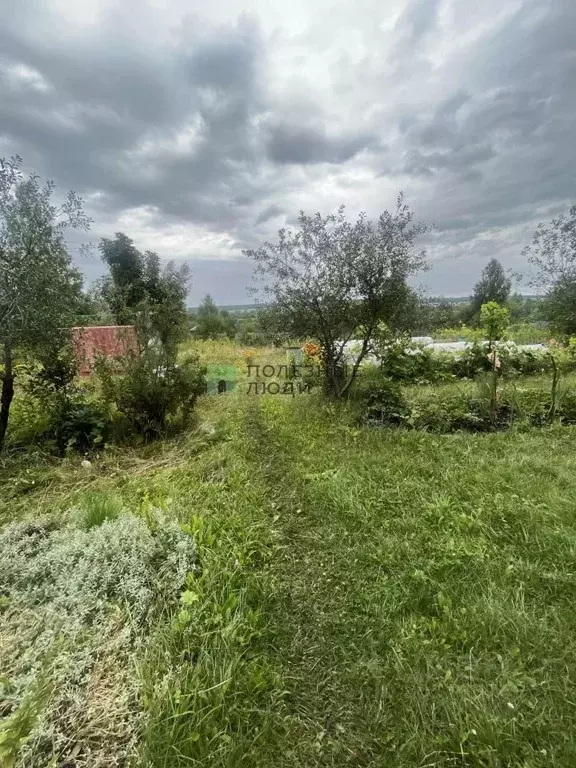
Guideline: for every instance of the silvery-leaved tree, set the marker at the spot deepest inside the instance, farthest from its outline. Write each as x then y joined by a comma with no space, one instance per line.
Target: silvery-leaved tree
39,287
333,280
552,255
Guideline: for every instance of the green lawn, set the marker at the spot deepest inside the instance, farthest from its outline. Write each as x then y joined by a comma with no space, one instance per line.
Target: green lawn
366,598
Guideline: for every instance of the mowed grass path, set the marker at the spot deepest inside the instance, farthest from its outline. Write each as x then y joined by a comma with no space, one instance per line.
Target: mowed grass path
367,598
423,603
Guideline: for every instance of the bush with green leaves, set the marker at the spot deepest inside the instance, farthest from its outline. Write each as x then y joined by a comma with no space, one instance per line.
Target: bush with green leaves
77,600
473,360
378,399
405,361
490,403
386,405
152,389
567,407
449,411
381,402
76,421
80,425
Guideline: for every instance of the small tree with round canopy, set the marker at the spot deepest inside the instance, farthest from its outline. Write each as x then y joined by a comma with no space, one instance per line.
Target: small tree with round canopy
334,279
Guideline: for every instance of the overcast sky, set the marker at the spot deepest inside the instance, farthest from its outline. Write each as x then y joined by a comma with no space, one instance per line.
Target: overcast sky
200,128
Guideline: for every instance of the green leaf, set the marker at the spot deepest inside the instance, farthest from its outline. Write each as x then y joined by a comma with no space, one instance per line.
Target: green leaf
189,597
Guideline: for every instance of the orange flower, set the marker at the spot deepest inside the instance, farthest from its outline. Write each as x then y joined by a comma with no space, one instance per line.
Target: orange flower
311,350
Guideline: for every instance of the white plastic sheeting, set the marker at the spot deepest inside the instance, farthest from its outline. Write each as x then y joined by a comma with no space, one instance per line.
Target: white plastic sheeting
352,347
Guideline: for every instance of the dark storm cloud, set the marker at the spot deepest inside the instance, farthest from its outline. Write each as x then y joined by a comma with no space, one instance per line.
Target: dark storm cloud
298,145
271,212
510,128
103,103
214,128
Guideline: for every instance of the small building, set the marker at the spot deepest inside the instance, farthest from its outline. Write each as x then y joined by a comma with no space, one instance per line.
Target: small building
110,341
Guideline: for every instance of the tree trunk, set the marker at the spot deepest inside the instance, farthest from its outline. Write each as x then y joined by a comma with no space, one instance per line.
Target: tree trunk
7,393
333,373
334,380
356,365
553,394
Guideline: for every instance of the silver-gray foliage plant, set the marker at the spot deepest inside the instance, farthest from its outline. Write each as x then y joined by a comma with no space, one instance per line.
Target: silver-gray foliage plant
83,598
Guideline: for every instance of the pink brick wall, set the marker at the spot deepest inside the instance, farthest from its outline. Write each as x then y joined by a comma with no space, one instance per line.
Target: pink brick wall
107,340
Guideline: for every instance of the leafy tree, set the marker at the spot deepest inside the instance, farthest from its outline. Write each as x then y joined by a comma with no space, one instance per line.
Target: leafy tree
39,288
165,306
211,323
435,313
139,292
553,256
492,286
229,323
560,308
526,309
334,279
495,320
93,308
124,289
152,387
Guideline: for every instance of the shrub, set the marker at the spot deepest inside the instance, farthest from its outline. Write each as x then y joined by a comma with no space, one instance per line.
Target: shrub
78,568
567,407
380,400
448,409
403,360
386,405
528,333
79,424
473,360
151,388
75,421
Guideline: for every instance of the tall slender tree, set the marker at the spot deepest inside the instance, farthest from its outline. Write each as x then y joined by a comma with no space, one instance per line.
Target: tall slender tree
124,288
140,292
39,287
493,285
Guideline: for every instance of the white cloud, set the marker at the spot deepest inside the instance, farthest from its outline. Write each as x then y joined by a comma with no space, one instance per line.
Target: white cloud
18,76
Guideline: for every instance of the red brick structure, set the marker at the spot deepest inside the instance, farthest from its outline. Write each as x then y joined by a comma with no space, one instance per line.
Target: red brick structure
107,340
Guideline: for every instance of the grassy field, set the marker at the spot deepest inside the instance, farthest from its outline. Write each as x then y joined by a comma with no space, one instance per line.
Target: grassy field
363,597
